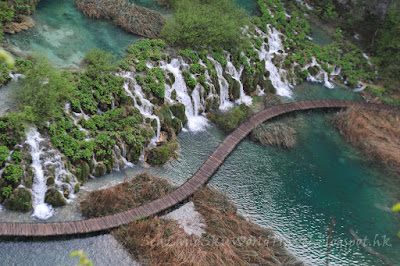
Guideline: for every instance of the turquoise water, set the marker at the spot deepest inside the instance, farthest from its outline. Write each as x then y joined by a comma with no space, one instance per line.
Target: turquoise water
64,34
293,191
320,36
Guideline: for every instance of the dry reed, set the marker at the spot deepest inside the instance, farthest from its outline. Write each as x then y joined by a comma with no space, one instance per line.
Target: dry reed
377,134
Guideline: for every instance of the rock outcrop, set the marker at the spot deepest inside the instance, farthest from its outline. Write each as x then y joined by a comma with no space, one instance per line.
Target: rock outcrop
132,18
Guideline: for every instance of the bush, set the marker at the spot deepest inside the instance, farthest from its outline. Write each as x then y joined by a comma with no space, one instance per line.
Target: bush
231,119
99,61
43,92
206,23
3,155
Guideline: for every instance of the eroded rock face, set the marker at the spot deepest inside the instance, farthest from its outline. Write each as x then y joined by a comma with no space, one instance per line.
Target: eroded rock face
132,18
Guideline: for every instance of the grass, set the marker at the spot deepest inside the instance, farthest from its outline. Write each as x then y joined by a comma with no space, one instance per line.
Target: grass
130,194
377,134
229,239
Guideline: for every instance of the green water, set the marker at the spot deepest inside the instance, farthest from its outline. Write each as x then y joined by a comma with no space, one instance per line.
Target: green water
319,35
64,34
295,191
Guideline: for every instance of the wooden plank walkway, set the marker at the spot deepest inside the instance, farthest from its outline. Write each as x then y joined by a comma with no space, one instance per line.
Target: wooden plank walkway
183,192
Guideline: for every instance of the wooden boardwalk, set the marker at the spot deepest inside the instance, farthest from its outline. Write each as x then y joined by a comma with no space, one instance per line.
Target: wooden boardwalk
183,192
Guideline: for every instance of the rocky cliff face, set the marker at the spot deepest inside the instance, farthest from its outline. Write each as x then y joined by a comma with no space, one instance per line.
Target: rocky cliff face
132,18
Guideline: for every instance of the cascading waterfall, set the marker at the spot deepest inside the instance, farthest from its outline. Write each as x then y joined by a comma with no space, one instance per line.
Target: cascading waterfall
231,70
276,76
223,86
41,210
146,107
196,122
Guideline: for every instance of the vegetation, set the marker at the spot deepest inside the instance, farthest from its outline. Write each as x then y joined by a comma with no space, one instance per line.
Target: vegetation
232,118
275,133
205,23
387,48
43,92
156,241
376,134
83,258
130,194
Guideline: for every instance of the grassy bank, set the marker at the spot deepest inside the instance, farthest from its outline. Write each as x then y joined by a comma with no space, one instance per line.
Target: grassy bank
229,238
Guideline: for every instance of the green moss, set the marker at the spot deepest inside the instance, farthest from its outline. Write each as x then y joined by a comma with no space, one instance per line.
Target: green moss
19,200
100,169
4,152
55,198
165,116
232,118
162,154
178,110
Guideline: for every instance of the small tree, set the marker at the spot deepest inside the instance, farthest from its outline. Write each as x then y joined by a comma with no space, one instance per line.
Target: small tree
206,23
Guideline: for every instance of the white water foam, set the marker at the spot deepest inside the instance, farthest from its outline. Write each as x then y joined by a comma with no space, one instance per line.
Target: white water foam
192,104
41,210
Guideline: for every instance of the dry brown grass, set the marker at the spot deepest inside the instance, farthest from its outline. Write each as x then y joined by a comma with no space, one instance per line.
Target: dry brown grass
130,194
377,134
275,133
229,238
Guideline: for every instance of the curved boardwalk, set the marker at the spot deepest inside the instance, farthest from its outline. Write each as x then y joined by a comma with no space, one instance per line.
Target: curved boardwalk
199,179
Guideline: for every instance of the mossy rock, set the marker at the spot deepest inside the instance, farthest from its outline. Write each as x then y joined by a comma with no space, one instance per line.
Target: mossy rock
268,87
176,125
28,177
77,188
19,200
212,103
50,181
173,95
313,70
100,169
161,154
133,155
171,78
234,90
84,171
55,198
178,110
165,116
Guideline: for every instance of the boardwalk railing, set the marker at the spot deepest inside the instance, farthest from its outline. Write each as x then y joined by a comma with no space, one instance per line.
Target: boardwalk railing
183,192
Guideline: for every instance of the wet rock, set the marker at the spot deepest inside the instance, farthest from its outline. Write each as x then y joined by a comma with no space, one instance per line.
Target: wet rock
19,200
176,125
54,198
173,95
50,181
212,103
28,177
100,169
178,110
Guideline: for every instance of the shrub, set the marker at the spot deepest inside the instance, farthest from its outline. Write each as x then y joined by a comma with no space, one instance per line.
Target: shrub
3,155
214,23
43,92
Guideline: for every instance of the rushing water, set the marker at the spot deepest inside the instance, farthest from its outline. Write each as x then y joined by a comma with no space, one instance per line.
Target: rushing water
293,191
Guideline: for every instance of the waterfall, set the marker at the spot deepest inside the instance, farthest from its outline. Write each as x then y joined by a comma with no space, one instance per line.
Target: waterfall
146,107
236,75
276,75
196,122
41,210
223,86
